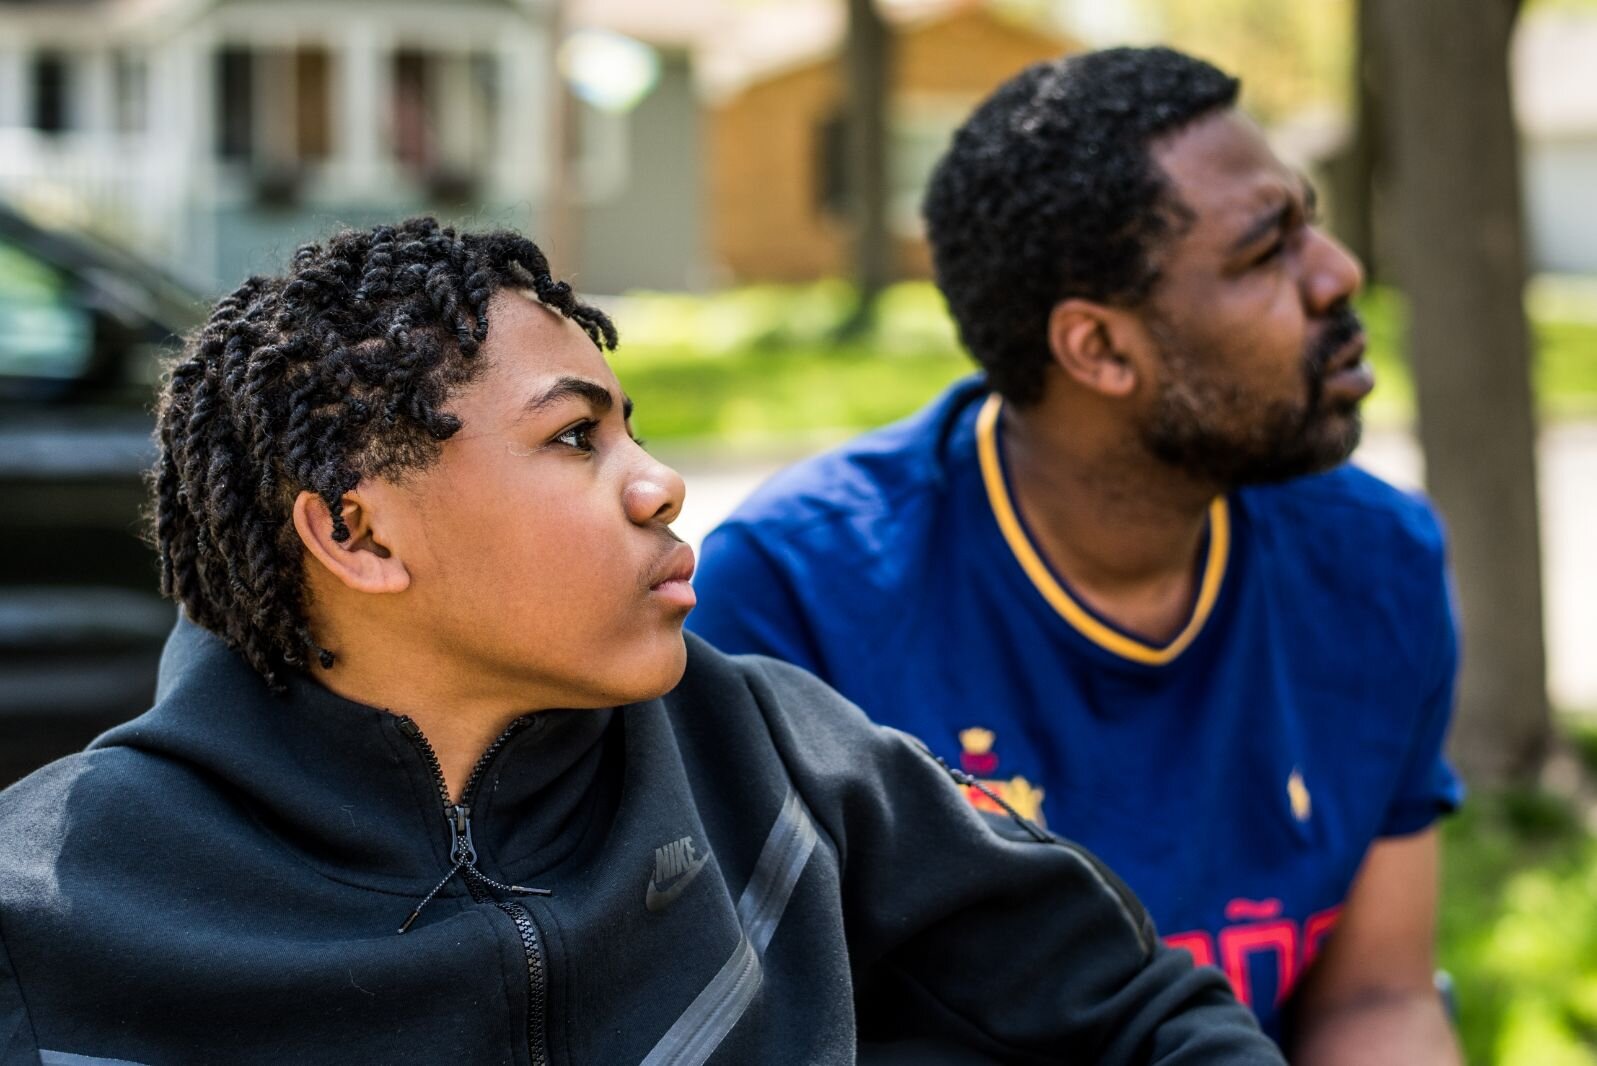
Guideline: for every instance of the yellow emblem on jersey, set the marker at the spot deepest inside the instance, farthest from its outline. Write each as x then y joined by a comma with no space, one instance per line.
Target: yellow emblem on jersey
1298,794
977,741
978,759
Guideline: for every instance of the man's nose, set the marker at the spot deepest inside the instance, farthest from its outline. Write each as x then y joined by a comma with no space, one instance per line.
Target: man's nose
1333,275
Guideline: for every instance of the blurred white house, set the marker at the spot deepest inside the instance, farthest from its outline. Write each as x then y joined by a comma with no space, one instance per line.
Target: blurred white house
215,135
1555,95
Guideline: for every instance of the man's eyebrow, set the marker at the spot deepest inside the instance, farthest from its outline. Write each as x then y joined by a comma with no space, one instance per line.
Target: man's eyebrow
1276,218
567,388
1262,227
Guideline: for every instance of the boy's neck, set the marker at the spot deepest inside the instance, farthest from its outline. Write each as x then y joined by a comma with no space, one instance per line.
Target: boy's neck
458,729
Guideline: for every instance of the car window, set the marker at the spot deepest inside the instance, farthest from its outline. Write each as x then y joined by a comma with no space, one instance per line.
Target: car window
44,331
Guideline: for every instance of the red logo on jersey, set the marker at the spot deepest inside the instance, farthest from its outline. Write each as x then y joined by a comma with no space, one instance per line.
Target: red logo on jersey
1260,933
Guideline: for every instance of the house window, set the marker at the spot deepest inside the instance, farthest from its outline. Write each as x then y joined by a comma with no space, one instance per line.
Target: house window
413,125
274,105
919,135
919,132
235,104
51,86
832,191
313,116
445,107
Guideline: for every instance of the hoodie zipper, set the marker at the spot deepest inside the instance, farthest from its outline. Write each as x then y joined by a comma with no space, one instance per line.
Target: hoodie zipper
463,854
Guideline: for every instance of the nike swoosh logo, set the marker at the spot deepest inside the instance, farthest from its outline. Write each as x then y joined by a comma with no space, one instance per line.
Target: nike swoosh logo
658,899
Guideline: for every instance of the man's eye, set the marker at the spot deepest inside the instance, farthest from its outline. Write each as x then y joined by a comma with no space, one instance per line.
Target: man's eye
579,436
1269,253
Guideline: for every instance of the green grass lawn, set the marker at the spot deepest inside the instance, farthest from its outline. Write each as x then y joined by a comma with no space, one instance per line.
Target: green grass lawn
757,367
1519,922
1518,931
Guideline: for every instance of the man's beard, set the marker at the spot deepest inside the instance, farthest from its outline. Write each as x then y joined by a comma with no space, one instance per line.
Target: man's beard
1219,431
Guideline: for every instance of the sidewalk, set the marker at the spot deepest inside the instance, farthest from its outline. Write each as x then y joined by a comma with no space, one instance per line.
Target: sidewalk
1568,471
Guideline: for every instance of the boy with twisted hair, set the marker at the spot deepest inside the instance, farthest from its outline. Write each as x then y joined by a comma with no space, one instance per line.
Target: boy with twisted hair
433,776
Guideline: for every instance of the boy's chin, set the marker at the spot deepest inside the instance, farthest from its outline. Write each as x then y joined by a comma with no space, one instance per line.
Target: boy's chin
672,665
646,675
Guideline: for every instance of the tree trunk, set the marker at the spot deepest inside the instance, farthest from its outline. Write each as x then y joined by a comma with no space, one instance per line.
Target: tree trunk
1352,172
866,59
1459,251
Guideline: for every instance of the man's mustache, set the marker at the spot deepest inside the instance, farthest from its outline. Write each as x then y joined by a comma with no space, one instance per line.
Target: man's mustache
1341,327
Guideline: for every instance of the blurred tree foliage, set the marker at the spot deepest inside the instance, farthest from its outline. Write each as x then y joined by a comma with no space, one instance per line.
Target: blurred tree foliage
1518,927
1292,57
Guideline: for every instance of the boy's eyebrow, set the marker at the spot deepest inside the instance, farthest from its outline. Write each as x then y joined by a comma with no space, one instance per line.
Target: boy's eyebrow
565,388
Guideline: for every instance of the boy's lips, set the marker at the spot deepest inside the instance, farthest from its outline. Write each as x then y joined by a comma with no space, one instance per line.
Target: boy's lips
671,577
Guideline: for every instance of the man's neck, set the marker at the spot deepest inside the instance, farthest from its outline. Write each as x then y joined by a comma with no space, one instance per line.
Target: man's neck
1122,528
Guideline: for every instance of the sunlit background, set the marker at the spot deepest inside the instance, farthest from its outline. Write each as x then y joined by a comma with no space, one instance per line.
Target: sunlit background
738,181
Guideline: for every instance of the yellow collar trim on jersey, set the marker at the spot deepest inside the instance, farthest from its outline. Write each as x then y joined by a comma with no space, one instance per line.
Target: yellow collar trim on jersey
1042,578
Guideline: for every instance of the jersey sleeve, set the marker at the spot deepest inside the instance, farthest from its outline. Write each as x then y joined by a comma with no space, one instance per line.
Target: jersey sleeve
1429,788
986,934
747,603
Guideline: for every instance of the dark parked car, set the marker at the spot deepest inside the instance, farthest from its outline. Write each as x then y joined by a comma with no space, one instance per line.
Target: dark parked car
83,330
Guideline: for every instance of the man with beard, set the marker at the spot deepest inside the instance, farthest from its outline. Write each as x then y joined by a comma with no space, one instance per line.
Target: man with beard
1124,582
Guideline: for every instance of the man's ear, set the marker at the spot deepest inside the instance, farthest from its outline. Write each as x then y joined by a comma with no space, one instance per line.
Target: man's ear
362,562
1082,339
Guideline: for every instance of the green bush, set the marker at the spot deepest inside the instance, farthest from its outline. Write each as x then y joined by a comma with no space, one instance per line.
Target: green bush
1518,930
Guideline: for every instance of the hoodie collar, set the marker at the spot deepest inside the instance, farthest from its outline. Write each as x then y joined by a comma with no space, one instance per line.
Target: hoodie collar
349,788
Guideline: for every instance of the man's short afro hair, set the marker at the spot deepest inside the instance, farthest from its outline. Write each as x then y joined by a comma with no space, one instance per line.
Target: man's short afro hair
1048,192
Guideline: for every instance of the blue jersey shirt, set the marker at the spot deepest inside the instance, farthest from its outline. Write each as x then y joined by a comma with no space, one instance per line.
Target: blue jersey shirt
1235,776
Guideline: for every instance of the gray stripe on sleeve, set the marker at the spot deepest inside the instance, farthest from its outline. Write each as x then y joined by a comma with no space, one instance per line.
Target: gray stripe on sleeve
67,1058
695,1035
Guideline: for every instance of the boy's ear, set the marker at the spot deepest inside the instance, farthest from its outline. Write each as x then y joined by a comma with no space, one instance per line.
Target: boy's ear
362,562
1083,339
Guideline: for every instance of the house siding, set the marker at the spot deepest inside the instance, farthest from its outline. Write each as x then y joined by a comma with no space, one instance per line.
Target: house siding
649,232
767,220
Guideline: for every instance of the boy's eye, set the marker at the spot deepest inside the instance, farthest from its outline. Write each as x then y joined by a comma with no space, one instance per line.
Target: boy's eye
579,436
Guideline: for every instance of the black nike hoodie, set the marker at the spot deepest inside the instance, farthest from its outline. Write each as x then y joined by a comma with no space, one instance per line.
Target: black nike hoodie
743,871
